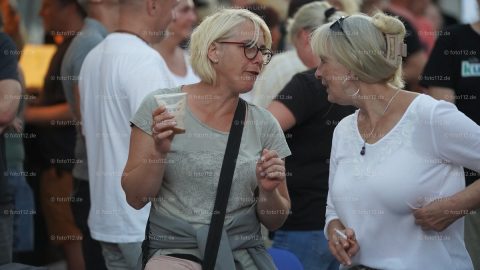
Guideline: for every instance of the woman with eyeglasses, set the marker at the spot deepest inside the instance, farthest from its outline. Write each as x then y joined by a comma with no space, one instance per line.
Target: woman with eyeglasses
179,173
397,153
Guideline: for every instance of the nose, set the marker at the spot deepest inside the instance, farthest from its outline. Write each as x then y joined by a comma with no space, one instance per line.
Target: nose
258,58
193,16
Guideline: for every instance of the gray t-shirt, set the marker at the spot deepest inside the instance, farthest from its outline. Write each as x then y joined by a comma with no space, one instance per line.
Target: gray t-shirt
193,166
93,32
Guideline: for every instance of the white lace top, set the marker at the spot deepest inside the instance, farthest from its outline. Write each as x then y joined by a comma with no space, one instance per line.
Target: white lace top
418,161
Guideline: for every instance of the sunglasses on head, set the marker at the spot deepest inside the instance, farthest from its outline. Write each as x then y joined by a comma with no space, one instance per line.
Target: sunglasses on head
337,27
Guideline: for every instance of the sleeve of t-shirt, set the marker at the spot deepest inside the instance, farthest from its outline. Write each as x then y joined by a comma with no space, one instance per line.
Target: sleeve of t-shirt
72,64
301,97
273,137
8,59
143,117
440,68
143,80
456,137
81,53
330,213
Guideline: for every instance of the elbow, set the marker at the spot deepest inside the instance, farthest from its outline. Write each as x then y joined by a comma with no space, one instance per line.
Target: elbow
275,221
132,199
273,226
136,204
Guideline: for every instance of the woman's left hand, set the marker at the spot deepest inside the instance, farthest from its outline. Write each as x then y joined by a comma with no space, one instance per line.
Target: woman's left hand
270,170
437,215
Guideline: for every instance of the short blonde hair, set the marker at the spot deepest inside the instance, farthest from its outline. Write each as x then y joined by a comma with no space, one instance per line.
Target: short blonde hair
217,27
309,17
363,47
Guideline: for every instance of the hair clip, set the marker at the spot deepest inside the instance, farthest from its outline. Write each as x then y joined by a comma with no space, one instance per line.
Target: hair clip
396,49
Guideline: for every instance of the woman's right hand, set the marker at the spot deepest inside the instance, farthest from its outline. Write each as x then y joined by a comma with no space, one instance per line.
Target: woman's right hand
162,129
342,249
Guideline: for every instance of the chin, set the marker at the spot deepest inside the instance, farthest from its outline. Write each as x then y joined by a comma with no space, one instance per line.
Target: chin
331,99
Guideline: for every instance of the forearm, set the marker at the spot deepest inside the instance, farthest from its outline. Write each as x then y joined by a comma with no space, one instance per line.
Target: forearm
334,224
46,114
142,183
76,106
467,200
9,100
272,209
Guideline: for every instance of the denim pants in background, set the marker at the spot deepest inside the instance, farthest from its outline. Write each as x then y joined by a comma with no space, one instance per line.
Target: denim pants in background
24,209
311,248
6,233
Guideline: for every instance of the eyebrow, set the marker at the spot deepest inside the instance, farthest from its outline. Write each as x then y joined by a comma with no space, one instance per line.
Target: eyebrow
249,42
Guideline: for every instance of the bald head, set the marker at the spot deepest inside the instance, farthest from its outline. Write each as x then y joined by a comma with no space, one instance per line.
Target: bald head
146,18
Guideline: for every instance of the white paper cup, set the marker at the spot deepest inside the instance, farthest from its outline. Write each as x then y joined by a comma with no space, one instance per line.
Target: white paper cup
175,105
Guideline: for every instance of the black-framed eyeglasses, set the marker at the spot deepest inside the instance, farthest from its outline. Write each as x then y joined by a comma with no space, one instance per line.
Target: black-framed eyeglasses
337,27
251,51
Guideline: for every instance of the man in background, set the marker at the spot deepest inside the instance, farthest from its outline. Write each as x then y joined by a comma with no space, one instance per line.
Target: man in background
115,77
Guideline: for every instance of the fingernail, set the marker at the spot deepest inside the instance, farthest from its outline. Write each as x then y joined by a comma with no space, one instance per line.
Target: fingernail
262,174
262,159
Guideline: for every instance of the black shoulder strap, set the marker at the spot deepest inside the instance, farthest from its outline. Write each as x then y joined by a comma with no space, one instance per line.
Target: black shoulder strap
223,189
223,192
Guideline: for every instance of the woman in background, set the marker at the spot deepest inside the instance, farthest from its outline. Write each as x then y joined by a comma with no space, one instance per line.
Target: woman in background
178,32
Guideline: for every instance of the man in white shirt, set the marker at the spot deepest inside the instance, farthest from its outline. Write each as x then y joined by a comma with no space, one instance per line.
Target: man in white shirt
115,77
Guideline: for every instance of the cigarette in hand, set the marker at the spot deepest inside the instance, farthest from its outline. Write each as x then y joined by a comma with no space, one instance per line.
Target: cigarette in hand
341,234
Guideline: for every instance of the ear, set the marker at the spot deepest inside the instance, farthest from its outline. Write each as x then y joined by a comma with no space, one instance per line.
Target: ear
152,6
212,53
352,76
305,37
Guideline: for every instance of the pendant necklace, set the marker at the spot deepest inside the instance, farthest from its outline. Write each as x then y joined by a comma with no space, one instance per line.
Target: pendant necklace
363,151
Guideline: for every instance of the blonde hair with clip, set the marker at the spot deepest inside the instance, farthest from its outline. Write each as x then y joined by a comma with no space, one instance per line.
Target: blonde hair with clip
372,47
217,27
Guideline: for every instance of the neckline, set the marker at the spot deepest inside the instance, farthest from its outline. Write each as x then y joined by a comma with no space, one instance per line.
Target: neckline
203,124
392,130
187,109
121,31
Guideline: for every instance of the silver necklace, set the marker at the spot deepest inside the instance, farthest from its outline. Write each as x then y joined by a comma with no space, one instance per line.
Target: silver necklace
363,151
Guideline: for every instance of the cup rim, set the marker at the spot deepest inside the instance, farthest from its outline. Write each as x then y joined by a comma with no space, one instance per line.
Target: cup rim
170,95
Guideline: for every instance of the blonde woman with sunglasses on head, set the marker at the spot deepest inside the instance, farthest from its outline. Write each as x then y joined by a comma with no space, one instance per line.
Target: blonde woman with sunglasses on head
397,153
